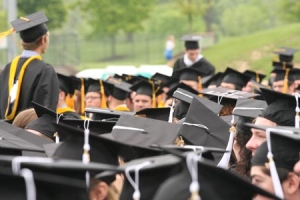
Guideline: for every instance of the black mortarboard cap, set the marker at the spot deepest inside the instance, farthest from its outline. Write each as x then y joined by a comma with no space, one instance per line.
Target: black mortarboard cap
249,108
120,89
151,176
48,187
41,110
160,79
171,83
295,73
204,129
11,144
132,79
181,86
66,84
95,86
213,80
239,79
43,125
191,41
188,73
209,177
282,74
72,146
255,76
219,94
146,88
106,114
95,126
144,132
31,27
25,135
186,98
281,107
103,148
155,113
282,65
286,54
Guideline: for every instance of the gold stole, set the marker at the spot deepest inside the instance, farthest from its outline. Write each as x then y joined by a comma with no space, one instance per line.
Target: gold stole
12,74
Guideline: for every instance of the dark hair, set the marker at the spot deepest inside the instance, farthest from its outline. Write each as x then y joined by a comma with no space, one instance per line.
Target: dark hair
282,173
226,110
243,135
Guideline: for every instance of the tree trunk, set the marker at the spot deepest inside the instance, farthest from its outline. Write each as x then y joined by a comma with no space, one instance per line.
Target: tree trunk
113,45
129,37
190,19
208,17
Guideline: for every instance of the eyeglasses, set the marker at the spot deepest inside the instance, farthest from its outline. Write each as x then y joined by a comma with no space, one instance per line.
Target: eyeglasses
91,97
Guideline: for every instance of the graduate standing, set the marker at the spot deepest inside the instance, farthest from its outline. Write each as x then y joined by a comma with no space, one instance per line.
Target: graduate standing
28,78
193,57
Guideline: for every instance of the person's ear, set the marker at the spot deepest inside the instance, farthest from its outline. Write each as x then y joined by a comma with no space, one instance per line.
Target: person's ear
99,192
291,184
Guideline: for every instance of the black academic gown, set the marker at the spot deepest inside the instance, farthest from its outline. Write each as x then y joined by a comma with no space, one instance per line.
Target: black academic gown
202,65
40,84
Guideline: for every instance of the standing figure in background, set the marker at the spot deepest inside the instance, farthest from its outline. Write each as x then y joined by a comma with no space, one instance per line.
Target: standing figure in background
28,78
170,45
193,57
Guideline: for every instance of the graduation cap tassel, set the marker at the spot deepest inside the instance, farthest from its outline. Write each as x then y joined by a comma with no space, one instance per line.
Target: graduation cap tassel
29,183
274,175
70,101
86,146
82,92
103,98
153,94
257,77
86,150
135,183
171,111
192,165
226,157
286,80
57,121
199,84
297,95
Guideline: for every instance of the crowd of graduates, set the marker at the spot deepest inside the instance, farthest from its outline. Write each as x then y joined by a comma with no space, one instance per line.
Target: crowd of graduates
194,135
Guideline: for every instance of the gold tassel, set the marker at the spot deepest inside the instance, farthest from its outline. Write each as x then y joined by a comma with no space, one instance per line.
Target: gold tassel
6,33
286,80
284,65
82,92
103,97
200,86
257,78
70,101
153,94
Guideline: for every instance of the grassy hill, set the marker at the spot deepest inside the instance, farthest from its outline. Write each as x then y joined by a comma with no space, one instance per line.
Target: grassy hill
253,51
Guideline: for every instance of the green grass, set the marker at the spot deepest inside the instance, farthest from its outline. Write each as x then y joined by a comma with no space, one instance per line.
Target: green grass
254,49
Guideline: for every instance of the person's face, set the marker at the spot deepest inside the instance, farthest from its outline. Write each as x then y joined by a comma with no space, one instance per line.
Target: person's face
192,54
262,180
227,86
192,84
141,101
258,136
279,85
93,99
248,87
